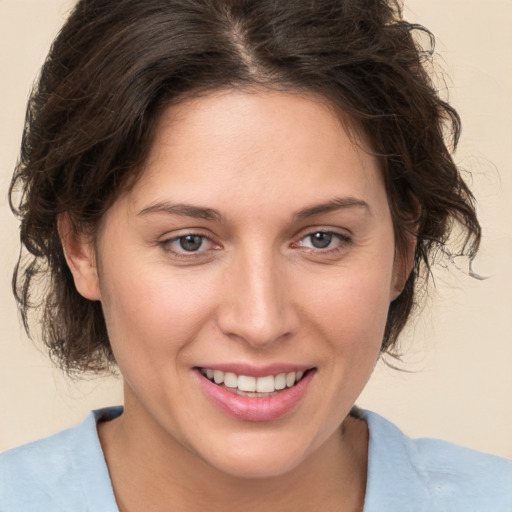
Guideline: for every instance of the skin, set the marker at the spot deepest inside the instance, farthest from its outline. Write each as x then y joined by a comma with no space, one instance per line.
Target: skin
257,291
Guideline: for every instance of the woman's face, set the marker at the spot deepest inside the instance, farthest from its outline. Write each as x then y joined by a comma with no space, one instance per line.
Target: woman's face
257,247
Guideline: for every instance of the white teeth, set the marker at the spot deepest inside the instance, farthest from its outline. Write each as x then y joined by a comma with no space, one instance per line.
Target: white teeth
257,385
265,384
290,379
246,383
230,380
280,381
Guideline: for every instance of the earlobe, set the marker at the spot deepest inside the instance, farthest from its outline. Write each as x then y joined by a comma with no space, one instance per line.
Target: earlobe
80,257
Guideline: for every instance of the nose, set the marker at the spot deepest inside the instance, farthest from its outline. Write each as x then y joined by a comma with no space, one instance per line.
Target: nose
257,306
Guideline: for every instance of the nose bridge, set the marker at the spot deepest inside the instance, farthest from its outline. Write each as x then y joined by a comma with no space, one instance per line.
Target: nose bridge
256,308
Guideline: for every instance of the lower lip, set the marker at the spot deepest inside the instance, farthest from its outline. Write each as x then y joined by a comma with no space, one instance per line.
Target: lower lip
253,408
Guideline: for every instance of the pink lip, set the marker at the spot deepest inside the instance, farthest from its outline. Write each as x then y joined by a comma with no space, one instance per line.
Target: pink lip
252,408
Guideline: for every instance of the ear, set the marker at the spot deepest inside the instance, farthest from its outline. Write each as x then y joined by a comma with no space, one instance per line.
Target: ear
80,257
403,265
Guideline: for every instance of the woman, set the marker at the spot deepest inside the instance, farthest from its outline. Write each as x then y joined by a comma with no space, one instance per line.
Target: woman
235,202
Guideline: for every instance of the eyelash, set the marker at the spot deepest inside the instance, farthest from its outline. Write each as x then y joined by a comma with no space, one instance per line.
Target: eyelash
184,254
343,241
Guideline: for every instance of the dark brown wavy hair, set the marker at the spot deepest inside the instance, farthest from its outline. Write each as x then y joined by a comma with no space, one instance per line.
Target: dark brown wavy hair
117,64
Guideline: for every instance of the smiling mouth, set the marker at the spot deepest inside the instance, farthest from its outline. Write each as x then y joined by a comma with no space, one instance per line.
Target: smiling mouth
258,387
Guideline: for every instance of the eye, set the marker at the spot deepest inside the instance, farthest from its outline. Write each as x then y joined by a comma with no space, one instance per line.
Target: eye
320,240
324,240
188,245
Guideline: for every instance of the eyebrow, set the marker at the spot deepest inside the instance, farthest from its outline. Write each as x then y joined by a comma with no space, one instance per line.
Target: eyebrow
338,203
183,210
199,212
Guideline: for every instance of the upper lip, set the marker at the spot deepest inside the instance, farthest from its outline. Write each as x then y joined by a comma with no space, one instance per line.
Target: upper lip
257,371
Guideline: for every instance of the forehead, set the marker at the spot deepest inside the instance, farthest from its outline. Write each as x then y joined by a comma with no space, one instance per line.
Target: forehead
259,146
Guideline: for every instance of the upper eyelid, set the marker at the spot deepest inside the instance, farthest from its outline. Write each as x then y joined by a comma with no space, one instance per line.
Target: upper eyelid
185,232
335,233
341,232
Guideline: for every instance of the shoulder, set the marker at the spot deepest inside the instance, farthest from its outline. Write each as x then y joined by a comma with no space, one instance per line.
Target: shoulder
432,474
57,473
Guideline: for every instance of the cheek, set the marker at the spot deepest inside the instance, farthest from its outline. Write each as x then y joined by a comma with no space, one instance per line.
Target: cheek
150,310
351,308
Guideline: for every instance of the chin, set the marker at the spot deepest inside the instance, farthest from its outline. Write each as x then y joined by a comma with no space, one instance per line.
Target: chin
258,460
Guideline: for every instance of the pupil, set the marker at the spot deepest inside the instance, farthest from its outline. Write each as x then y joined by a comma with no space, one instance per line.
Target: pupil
191,242
321,240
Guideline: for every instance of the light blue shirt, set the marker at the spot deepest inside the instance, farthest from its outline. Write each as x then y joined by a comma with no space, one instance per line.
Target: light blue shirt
67,473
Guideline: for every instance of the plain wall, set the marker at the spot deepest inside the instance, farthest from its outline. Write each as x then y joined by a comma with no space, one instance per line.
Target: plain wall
458,350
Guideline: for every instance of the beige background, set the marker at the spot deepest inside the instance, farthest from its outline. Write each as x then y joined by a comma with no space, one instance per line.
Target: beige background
459,350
